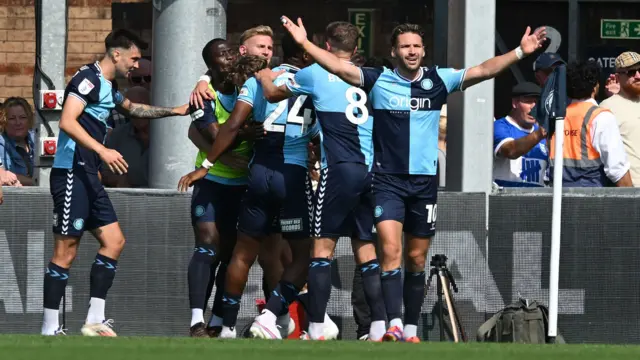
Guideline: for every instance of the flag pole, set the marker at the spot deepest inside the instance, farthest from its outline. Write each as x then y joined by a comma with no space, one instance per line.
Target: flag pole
555,229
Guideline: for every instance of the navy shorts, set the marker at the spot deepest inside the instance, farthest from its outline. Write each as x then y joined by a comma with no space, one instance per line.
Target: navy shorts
278,199
409,199
215,202
80,202
343,202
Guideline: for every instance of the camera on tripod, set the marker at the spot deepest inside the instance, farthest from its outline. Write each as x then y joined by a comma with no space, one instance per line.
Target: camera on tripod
438,261
445,281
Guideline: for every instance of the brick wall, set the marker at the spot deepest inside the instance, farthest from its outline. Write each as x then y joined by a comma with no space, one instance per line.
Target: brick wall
89,23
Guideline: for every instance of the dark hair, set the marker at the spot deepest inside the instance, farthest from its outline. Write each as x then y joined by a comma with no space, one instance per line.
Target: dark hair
582,78
206,51
358,59
290,48
377,62
123,39
403,29
342,36
245,67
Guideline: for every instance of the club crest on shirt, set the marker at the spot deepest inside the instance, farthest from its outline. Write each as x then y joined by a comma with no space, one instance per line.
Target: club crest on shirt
427,84
244,91
549,101
293,83
85,87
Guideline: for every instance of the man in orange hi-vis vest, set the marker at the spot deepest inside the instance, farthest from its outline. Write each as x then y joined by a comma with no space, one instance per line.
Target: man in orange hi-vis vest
593,152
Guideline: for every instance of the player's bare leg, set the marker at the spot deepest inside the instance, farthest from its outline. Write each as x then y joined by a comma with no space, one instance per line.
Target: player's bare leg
103,271
414,283
390,238
367,260
56,276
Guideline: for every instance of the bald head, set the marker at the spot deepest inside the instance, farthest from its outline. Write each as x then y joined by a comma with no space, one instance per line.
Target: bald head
139,95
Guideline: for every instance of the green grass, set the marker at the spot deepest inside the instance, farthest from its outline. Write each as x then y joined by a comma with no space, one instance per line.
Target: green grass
152,348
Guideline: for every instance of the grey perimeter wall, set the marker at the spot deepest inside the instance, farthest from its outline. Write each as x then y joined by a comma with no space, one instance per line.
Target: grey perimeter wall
599,289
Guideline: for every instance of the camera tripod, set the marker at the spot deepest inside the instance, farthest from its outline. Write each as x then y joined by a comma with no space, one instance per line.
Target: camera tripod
444,282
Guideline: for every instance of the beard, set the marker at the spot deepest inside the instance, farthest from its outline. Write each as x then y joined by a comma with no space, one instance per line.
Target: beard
632,89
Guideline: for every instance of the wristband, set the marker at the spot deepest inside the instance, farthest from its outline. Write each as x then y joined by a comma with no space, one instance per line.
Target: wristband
519,53
207,164
206,78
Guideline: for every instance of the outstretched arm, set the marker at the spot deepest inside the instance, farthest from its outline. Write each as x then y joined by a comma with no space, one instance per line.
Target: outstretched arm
143,111
494,66
344,70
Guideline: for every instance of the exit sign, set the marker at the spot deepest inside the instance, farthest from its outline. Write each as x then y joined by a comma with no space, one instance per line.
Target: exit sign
364,21
619,29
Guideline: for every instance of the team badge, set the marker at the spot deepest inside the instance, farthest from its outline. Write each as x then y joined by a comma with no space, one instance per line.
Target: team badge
378,211
549,101
55,219
85,87
427,84
78,224
199,210
244,92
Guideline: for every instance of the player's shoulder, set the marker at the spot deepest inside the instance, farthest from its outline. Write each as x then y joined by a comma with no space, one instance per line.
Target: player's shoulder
249,86
86,78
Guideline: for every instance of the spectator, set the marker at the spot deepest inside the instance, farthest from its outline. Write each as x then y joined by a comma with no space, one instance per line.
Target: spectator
544,65
593,152
358,59
378,62
442,148
17,146
138,77
132,141
519,145
625,105
142,75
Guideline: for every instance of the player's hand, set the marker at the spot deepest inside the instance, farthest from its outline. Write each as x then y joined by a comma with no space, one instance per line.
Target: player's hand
234,160
252,131
612,86
268,75
532,42
1,195
298,32
114,160
200,93
187,181
181,110
7,178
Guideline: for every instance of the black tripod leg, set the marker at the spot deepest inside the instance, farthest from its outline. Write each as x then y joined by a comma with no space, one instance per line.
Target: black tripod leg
440,307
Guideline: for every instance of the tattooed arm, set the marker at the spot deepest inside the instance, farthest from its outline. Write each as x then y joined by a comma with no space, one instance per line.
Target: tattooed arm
143,111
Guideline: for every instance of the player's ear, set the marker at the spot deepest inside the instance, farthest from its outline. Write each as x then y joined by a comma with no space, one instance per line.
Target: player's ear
424,53
355,51
393,52
327,46
242,50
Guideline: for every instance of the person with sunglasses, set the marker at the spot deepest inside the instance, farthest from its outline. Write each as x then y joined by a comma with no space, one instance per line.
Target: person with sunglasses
625,105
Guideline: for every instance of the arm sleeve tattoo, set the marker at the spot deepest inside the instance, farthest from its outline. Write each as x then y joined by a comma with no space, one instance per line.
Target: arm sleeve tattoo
149,112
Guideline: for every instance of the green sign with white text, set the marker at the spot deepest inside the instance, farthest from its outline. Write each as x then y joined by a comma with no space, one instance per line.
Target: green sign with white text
619,29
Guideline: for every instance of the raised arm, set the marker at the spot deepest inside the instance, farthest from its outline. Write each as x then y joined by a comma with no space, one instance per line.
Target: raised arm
143,111
344,70
494,66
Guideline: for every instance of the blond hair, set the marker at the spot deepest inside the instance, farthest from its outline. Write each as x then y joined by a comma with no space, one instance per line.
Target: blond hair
16,101
255,31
